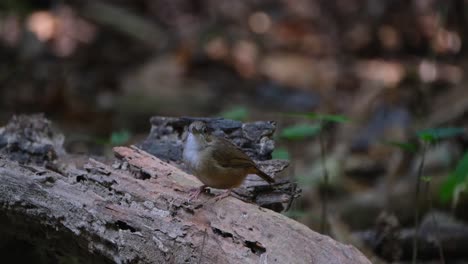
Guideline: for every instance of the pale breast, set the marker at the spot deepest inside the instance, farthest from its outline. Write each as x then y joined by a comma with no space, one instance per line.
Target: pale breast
209,173
191,152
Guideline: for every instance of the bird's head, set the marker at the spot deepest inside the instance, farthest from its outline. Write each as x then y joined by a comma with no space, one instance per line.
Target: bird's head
198,128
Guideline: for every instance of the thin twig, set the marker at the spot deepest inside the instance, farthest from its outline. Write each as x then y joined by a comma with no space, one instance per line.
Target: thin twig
436,226
323,223
416,204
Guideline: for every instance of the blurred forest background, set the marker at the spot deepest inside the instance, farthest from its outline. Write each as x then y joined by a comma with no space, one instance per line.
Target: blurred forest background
389,68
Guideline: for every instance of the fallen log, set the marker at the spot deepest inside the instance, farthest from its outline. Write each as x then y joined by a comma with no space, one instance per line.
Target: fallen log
108,213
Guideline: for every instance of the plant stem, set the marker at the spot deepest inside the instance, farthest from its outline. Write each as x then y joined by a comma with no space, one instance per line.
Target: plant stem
416,204
434,222
323,221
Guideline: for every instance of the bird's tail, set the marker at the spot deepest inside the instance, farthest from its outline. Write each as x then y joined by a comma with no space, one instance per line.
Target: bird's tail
264,176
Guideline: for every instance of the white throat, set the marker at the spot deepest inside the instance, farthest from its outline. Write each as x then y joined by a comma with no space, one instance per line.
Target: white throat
191,151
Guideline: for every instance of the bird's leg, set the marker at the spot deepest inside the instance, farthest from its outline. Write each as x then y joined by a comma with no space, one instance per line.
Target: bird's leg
223,195
195,193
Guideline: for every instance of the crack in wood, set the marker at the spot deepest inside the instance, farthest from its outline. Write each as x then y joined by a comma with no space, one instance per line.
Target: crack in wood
221,232
122,225
255,246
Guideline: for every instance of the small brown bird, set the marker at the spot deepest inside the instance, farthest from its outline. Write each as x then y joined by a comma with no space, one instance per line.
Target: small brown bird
216,162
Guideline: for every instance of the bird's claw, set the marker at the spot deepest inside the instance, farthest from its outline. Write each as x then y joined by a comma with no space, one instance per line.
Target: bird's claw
222,195
196,192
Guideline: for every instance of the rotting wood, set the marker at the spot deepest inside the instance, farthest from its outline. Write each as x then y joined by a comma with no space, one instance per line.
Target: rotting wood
128,220
105,214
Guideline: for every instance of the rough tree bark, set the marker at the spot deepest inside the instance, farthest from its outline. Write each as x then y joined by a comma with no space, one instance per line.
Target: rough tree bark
136,211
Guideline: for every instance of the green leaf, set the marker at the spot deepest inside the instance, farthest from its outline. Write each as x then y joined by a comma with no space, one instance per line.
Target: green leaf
433,134
323,117
240,113
426,178
329,118
456,178
300,131
280,153
406,146
447,189
119,137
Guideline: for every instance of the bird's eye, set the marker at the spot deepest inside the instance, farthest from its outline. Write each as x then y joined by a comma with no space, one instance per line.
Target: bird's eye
203,130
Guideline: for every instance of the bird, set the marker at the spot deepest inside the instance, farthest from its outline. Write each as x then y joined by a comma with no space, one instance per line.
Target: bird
217,162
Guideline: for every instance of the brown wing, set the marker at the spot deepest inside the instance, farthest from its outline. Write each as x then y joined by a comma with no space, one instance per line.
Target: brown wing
228,155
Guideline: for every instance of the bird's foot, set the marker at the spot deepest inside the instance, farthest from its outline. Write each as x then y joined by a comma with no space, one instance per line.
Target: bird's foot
195,192
222,195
